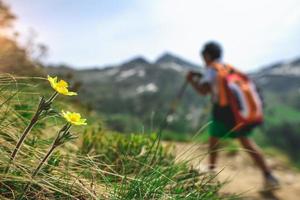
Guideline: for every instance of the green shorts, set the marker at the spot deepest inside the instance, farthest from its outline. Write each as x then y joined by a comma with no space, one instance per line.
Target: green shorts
221,130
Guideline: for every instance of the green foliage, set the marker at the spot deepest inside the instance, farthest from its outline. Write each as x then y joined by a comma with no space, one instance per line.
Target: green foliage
285,136
169,182
281,127
115,149
124,123
176,136
53,162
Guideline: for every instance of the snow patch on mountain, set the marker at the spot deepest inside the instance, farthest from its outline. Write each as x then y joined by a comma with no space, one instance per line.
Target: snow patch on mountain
286,69
174,66
112,72
141,73
129,73
150,87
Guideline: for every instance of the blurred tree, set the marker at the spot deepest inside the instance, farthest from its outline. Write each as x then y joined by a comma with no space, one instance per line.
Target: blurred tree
6,16
13,58
35,50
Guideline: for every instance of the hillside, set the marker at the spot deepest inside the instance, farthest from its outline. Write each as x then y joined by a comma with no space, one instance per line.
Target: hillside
138,92
140,88
135,95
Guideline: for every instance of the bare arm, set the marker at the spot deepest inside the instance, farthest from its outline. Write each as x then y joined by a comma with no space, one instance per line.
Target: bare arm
194,80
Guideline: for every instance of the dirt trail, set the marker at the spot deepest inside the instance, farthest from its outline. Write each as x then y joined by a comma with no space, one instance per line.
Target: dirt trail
243,175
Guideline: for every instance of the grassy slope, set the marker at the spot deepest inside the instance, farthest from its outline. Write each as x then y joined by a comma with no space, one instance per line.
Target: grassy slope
100,164
281,130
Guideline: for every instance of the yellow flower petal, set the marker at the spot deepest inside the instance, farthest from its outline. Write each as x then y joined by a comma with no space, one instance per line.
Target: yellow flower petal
60,86
74,118
62,90
71,94
52,81
62,83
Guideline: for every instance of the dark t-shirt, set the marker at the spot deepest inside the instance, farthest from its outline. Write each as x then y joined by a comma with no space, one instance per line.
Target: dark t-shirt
225,115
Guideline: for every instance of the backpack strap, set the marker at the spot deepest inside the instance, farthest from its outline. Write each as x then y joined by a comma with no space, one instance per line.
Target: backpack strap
233,70
222,72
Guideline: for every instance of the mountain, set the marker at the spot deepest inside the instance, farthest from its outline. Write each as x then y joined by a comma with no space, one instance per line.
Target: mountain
138,92
280,77
168,60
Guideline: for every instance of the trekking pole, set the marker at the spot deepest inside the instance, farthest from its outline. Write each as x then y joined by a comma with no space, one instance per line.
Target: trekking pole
171,111
175,102
173,107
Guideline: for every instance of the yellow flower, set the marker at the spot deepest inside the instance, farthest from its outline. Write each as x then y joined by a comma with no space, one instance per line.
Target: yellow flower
74,118
60,86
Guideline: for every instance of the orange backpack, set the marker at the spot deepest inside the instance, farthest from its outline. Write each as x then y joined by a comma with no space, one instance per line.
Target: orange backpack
240,93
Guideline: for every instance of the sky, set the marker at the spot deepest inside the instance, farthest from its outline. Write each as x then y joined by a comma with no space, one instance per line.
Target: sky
107,32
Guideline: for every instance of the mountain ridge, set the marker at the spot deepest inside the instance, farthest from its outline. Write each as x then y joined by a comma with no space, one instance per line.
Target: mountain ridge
137,88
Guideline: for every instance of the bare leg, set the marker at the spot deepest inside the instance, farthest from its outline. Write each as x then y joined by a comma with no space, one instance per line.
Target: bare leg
213,147
255,153
271,182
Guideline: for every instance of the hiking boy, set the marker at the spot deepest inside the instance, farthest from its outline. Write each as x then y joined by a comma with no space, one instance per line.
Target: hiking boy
223,122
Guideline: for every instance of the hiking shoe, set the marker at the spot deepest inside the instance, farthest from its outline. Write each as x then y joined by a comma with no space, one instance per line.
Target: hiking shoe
205,169
271,182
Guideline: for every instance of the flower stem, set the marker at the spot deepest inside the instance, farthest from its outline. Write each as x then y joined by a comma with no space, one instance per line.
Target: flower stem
51,99
37,170
33,121
43,105
55,144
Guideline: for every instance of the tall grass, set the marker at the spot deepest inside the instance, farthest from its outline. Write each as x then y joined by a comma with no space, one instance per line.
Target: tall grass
100,164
